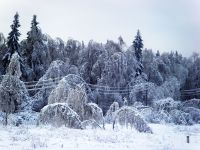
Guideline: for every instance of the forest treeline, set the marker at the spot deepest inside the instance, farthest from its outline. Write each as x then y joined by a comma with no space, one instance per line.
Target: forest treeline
111,64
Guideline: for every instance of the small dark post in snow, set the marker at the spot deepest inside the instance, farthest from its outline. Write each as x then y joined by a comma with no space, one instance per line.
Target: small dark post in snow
188,139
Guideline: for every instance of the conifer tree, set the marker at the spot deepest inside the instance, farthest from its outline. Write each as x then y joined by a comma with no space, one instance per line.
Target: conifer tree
138,45
35,33
13,36
158,53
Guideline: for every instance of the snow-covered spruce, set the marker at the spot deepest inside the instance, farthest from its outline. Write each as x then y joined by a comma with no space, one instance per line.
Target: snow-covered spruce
59,114
126,116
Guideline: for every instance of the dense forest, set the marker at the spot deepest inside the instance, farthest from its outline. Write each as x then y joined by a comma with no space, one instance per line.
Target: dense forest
113,71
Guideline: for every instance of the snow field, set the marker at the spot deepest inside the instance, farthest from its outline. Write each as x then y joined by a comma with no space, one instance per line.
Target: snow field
165,137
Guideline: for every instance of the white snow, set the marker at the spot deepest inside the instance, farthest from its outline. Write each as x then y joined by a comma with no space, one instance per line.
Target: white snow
164,137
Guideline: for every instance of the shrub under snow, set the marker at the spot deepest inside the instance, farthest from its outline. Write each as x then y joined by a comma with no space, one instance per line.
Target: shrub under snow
13,95
70,90
194,112
192,103
111,112
59,114
129,116
93,111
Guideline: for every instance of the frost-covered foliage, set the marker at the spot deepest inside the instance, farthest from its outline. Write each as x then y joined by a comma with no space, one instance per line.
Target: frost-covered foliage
167,104
2,118
144,93
90,124
59,114
14,66
194,112
55,72
13,95
129,116
110,114
192,103
171,88
23,118
70,90
166,111
2,39
94,112
180,117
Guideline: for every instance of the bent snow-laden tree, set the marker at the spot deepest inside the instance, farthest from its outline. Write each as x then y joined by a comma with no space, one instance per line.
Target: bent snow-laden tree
70,90
129,116
59,114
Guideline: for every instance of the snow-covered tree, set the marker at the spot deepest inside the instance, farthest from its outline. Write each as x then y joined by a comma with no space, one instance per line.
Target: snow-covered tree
126,116
138,45
35,33
14,66
12,41
13,37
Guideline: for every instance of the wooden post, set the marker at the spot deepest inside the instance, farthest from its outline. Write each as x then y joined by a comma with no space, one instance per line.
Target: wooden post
188,139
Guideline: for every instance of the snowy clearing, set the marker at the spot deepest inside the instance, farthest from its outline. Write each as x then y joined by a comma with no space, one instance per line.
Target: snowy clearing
165,137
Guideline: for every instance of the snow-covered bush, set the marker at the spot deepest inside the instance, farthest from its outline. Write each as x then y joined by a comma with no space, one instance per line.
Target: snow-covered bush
23,118
192,103
2,118
180,117
13,95
59,114
92,111
90,124
14,66
147,113
166,104
170,88
194,112
111,112
129,116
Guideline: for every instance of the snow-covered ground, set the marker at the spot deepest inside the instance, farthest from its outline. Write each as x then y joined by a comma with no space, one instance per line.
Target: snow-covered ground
165,137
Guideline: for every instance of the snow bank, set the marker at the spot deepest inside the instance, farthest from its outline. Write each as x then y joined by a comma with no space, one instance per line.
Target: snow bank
59,114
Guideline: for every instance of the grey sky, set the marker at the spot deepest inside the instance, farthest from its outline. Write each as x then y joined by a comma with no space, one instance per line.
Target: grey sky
165,24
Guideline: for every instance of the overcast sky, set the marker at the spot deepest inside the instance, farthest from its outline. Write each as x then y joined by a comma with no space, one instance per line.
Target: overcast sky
165,24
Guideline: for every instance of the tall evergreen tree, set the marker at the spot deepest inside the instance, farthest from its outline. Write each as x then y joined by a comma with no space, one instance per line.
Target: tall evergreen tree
13,36
35,33
158,53
138,45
